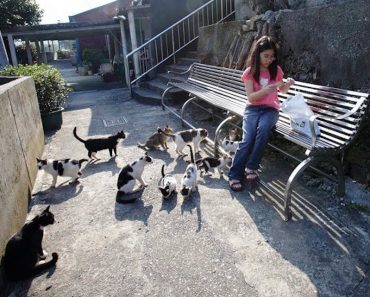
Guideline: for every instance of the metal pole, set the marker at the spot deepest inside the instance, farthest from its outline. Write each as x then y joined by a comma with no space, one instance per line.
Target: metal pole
124,50
12,50
4,60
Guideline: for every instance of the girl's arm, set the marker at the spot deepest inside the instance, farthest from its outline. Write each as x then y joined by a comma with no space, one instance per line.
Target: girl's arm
258,94
284,87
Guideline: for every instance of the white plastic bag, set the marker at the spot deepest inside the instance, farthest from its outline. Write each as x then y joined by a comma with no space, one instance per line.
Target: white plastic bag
299,113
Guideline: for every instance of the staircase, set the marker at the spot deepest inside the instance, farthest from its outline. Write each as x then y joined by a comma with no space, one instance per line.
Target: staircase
150,91
170,43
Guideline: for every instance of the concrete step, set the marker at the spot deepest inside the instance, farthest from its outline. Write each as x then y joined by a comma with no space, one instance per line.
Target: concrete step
188,61
156,84
177,68
146,96
167,76
191,54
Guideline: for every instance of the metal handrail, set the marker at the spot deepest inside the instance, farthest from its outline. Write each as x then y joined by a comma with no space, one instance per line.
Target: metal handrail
170,41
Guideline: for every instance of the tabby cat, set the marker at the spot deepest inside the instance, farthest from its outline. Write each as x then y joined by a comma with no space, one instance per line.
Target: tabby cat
157,139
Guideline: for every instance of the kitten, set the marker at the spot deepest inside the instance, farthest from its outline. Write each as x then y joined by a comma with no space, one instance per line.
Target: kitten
93,145
157,139
65,167
205,164
235,135
230,146
167,184
24,251
189,180
183,137
130,173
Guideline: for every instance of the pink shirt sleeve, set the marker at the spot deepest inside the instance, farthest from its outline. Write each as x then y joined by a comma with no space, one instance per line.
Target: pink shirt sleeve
246,74
279,74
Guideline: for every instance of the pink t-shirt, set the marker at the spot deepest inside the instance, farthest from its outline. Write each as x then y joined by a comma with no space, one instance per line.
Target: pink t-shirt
269,99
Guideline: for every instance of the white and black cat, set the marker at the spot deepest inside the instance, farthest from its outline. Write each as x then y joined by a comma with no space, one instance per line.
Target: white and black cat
24,252
189,179
167,184
132,172
93,145
67,167
207,163
230,146
183,137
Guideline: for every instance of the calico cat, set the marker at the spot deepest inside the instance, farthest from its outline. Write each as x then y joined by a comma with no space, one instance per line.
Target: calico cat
93,145
235,135
130,173
189,180
24,251
157,139
65,167
183,137
230,146
167,184
205,164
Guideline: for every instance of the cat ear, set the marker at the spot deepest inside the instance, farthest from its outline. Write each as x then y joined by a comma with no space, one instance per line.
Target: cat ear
166,126
47,209
38,160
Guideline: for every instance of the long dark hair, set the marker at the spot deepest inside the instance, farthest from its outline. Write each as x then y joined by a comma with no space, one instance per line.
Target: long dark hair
262,44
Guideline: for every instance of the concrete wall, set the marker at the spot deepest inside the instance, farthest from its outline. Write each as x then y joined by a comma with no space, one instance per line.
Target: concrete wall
22,141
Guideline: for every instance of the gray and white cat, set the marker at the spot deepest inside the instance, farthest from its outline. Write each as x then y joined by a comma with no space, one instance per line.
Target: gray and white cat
189,179
187,136
66,167
132,172
207,163
167,184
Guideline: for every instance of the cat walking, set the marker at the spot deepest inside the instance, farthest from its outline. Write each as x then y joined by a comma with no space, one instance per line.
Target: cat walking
182,138
167,184
93,145
66,167
24,252
189,179
207,163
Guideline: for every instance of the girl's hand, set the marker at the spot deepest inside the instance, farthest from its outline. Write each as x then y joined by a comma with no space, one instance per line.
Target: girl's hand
290,81
271,88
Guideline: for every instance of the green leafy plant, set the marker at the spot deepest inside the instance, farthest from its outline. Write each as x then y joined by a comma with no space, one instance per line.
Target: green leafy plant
51,88
93,58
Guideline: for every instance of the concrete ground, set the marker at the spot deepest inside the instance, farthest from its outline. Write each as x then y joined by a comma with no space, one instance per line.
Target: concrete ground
217,243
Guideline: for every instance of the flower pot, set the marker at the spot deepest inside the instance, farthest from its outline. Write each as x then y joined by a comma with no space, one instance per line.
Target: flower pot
52,120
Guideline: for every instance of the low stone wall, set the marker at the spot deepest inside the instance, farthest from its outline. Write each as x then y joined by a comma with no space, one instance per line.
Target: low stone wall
22,141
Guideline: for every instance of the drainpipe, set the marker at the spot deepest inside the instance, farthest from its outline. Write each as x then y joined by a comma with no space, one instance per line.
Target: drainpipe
12,50
122,18
131,22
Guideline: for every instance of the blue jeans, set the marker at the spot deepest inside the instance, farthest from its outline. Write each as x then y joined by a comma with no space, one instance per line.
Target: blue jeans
257,124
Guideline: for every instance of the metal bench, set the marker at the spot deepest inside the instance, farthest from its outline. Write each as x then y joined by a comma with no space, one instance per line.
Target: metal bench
339,114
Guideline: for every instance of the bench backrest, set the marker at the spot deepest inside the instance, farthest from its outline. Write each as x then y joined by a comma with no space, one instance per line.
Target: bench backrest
340,111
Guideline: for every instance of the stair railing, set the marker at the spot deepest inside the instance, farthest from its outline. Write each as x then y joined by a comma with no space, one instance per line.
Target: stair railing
166,44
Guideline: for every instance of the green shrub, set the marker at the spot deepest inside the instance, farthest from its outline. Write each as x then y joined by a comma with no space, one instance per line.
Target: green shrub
51,88
93,58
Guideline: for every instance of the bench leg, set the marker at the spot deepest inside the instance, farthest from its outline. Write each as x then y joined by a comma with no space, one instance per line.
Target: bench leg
183,109
218,131
297,172
163,96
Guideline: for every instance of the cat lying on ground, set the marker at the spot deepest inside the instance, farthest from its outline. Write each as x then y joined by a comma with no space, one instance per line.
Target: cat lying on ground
24,251
93,145
67,167
207,163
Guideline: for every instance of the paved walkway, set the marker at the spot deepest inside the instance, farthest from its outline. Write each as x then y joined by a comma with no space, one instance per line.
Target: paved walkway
218,243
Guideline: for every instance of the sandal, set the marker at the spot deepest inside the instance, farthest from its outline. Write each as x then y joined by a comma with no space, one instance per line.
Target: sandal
235,185
251,175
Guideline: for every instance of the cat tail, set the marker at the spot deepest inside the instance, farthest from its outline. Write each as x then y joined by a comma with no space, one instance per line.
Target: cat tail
41,267
81,161
191,154
167,134
163,170
77,137
140,145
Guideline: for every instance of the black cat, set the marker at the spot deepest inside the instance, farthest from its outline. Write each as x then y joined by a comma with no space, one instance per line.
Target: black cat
24,250
94,145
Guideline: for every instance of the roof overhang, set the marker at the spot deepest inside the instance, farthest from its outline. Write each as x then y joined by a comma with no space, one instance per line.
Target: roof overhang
62,31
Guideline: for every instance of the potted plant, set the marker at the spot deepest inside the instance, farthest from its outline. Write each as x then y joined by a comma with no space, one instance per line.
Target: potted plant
51,89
